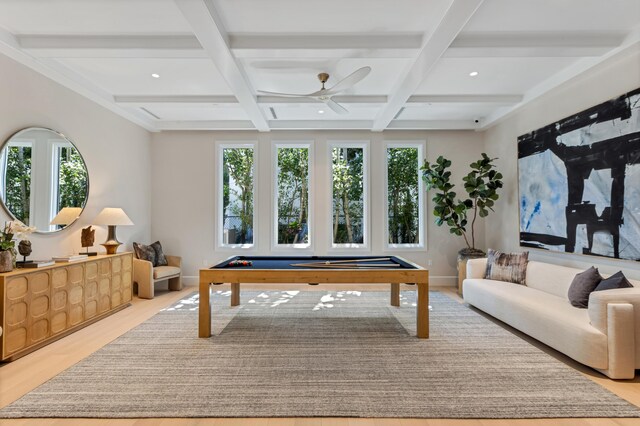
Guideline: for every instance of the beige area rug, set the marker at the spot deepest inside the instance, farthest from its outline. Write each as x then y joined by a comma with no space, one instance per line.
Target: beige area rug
303,354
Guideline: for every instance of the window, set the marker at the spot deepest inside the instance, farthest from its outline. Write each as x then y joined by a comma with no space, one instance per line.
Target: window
236,196
349,221
404,196
292,205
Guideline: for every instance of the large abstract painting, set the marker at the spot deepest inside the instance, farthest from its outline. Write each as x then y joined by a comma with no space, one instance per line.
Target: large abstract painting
579,182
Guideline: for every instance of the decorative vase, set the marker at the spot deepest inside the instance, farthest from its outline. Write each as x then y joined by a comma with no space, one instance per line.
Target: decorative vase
463,256
6,261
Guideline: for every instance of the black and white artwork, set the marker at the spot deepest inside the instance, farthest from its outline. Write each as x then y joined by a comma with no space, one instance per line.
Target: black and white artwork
579,182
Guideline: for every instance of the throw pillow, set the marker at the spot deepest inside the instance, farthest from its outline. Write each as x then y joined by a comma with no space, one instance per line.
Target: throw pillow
144,252
582,285
510,267
617,280
161,260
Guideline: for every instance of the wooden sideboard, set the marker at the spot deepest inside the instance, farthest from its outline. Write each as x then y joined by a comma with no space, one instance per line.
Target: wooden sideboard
41,305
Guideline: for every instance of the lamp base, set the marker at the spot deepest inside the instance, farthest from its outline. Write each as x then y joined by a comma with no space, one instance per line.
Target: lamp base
89,253
111,246
112,242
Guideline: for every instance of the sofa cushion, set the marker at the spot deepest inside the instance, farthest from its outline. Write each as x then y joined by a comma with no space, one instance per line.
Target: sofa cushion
617,280
546,317
582,286
145,252
510,267
161,259
160,272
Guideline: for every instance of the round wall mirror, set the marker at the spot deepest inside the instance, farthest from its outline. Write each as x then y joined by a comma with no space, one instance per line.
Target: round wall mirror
43,179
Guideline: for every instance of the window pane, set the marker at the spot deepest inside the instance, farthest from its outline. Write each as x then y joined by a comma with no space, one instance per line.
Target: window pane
18,182
72,178
293,195
237,195
402,190
348,195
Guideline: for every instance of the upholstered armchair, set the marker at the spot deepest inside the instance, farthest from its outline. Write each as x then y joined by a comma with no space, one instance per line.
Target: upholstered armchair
146,275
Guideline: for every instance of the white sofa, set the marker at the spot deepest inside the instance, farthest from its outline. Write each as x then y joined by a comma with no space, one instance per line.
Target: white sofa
606,336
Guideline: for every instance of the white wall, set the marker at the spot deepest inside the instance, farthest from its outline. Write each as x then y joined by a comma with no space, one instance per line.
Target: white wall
610,79
117,154
184,192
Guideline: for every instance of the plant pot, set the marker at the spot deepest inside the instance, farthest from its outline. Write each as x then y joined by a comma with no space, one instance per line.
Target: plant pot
467,253
6,261
463,256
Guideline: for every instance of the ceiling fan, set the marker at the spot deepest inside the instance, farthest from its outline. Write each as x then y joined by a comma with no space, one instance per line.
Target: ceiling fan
325,95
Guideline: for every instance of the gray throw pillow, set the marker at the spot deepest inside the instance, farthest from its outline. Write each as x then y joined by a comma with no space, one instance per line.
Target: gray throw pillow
510,267
161,260
144,252
617,280
582,285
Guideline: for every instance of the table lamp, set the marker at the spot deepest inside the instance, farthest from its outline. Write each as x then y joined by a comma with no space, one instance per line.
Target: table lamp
112,216
66,216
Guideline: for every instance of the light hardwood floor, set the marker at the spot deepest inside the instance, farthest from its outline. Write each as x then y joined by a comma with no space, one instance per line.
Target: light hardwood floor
23,375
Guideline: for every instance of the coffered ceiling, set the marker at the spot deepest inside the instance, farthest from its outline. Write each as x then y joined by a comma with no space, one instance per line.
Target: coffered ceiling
212,56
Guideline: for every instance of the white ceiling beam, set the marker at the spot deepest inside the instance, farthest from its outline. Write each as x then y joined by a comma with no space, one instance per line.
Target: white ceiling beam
215,99
316,125
533,44
433,125
10,47
342,99
465,99
206,125
371,45
320,124
175,99
453,21
111,46
209,30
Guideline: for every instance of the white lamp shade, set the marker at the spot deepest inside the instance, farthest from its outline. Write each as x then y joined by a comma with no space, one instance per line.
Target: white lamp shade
66,216
112,216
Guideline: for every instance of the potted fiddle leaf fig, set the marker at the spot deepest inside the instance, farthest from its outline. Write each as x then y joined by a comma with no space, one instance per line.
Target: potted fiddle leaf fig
481,185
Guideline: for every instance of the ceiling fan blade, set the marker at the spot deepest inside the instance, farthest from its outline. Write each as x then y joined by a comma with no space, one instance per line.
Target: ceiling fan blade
336,107
348,81
284,95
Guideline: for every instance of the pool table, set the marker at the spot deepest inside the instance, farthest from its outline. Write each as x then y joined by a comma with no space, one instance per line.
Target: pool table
391,270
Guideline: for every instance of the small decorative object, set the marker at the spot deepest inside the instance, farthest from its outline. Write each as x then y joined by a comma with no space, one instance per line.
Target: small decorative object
239,262
24,248
112,216
22,232
7,244
482,184
87,238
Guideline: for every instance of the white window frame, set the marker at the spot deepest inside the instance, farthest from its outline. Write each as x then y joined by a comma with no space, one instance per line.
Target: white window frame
420,145
306,247
220,147
366,220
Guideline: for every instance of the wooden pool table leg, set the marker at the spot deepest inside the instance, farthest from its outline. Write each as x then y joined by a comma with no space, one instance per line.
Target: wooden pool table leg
235,294
395,294
204,311
423,311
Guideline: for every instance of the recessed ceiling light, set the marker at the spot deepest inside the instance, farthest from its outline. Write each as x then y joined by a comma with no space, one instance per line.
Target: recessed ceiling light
320,111
154,75
473,73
